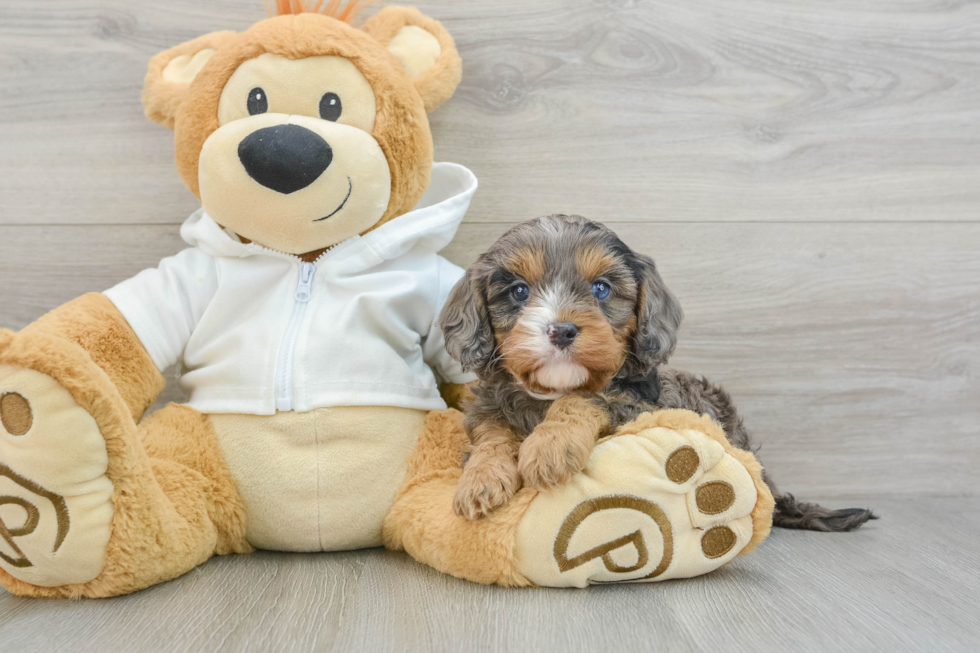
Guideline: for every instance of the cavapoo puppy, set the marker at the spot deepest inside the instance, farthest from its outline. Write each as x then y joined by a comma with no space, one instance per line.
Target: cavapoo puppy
568,330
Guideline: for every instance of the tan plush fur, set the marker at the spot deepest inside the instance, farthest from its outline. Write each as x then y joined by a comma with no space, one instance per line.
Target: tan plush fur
422,521
162,521
161,99
96,325
180,437
437,84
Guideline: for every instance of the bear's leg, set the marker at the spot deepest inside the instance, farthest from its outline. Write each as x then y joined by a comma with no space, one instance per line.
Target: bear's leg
191,470
84,509
422,521
666,497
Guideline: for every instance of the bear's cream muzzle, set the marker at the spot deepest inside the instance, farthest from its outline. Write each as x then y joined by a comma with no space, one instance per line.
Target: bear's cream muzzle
293,183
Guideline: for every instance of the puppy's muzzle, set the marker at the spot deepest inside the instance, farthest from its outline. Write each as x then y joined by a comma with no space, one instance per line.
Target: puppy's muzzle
562,334
284,158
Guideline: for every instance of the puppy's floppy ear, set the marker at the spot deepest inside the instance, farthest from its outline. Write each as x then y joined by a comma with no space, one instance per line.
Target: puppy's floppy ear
171,72
658,316
424,47
465,323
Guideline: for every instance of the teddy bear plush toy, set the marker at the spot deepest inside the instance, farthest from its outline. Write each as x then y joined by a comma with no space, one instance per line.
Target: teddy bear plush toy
303,320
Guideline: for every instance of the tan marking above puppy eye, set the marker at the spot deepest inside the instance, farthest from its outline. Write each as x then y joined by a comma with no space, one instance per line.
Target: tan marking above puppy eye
297,87
527,264
592,262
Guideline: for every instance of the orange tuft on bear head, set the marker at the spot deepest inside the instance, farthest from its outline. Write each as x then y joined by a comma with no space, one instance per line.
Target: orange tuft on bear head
303,131
333,8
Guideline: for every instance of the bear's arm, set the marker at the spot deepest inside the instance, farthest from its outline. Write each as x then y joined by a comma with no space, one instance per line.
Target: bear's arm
164,304
94,323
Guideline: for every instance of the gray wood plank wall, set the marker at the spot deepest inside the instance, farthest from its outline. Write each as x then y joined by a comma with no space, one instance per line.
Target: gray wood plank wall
806,174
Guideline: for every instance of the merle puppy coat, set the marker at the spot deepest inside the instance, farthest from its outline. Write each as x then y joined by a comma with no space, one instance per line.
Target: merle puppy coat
570,331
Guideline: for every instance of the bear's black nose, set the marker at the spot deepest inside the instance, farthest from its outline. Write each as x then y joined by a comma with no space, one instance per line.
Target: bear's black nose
285,158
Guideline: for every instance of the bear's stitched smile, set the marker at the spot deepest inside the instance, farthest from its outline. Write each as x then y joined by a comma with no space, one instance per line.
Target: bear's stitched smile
350,188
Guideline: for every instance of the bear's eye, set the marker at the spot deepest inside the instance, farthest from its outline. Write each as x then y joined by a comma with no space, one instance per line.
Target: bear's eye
330,107
257,101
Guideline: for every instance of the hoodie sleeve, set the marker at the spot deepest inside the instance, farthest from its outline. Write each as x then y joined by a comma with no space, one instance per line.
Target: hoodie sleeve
434,348
164,304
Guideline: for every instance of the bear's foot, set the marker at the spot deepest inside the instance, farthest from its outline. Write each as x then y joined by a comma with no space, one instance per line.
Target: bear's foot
55,498
668,498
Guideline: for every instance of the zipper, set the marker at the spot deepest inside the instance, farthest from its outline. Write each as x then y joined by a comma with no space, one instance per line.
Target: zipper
284,368
284,386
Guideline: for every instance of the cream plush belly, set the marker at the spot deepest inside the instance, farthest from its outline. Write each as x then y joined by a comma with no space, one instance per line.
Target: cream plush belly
321,480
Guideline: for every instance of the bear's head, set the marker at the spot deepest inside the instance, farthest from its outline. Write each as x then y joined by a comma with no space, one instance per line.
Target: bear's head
303,131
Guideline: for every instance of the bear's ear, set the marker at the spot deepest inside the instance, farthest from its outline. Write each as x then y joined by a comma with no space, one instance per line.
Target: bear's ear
171,72
424,47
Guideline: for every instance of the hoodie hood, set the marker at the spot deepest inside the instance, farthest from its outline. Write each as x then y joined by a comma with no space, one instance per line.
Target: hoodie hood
429,227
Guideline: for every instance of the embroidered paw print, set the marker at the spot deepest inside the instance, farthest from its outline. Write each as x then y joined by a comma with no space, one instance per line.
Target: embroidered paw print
15,413
710,498
55,500
654,505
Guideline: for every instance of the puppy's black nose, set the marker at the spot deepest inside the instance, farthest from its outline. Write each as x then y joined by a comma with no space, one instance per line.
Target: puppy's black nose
562,334
285,158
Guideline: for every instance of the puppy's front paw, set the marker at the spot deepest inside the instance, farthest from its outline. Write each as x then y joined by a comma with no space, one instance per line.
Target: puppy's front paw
484,487
552,455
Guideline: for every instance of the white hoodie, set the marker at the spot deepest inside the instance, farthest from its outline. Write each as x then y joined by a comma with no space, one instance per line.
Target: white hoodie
261,331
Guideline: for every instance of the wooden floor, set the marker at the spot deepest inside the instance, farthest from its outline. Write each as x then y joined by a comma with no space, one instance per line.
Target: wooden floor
807,176
895,586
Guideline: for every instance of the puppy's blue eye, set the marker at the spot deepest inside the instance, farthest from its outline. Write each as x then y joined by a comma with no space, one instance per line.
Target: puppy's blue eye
520,292
600,289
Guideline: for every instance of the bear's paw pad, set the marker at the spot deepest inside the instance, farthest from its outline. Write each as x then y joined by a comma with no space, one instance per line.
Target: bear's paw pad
55,498
650,506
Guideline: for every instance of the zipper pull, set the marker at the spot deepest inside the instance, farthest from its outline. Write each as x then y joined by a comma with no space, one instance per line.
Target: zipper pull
305,288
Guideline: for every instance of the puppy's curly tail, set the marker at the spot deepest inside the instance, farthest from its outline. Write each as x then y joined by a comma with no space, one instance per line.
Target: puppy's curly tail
790,513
